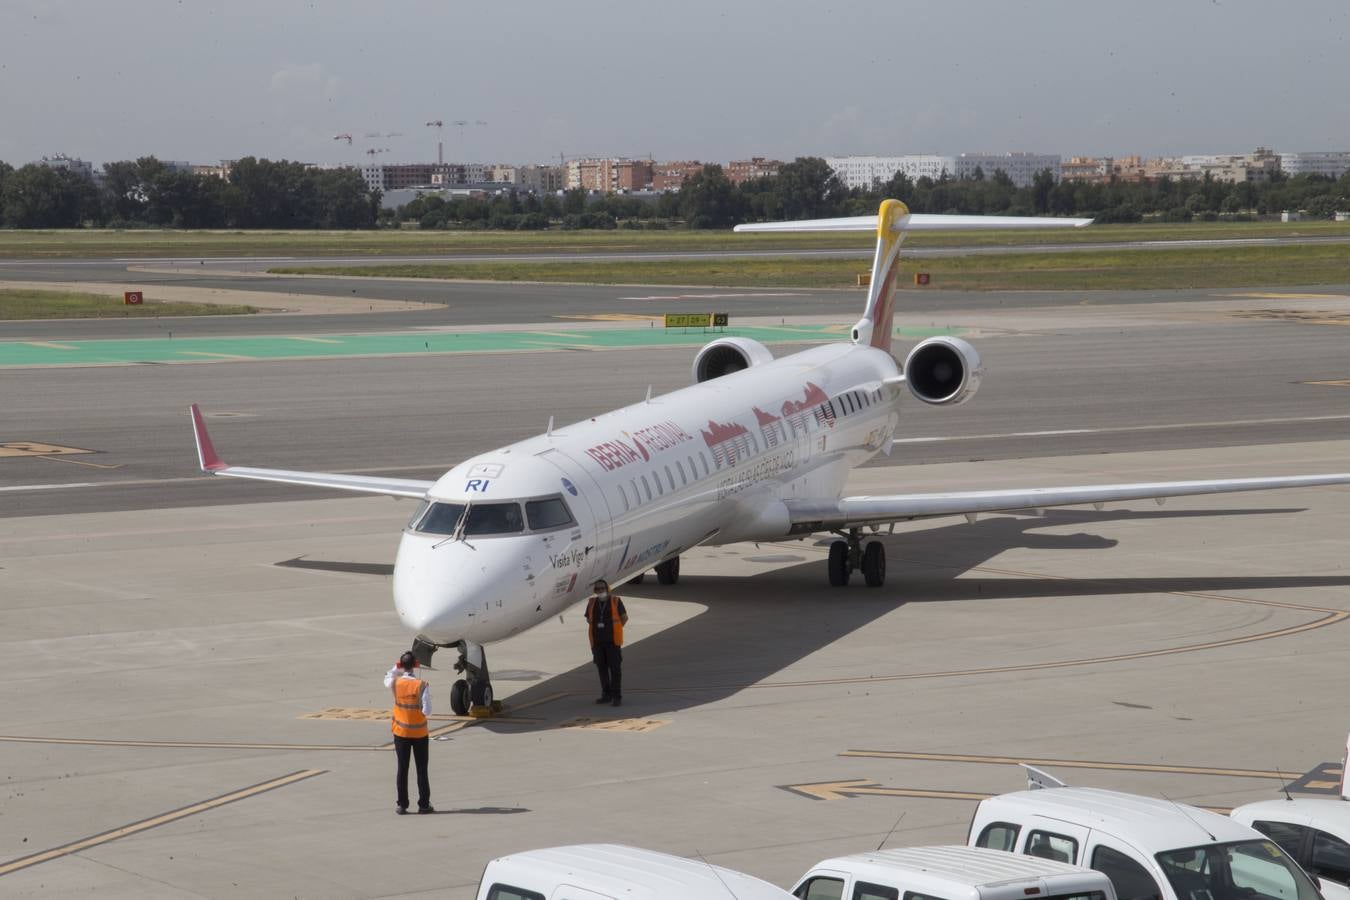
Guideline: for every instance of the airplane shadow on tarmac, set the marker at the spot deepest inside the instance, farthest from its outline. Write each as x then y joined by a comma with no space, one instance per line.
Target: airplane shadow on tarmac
759,626
762,624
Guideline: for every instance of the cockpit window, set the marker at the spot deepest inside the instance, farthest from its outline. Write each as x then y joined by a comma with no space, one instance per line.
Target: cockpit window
483,519
551,512
439,518
494,518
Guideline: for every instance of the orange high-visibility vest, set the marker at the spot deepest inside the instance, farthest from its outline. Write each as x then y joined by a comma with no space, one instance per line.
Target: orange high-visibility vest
408,720
615,622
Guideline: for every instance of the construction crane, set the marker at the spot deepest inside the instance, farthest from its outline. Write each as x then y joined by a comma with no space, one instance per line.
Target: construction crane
373,150
343,137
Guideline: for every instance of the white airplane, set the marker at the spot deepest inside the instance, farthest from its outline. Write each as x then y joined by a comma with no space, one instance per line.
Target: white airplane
757,449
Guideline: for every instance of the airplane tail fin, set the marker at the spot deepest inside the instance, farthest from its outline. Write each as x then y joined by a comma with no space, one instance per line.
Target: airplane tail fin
891,223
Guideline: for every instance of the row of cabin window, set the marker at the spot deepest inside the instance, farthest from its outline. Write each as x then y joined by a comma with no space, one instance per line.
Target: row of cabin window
849,402
685,478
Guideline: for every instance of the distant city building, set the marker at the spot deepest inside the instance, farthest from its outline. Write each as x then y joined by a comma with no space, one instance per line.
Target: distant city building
1101,169
505,174
864,171
221,171
68,164
739,171
1332,164
1022,168
608,176
540,179
670,176
1256,167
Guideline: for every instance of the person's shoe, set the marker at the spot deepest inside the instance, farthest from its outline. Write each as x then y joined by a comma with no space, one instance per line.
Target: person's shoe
425,810
401,810
604,698
618,701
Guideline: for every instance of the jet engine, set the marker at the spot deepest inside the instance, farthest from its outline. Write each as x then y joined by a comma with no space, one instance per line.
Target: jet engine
943,371
726,355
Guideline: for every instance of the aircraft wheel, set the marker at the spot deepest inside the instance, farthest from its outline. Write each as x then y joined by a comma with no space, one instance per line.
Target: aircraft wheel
481,693
637,579
668,572
874,564
839,568
459,698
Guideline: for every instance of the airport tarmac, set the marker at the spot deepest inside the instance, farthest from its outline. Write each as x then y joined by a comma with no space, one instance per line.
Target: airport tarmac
193,701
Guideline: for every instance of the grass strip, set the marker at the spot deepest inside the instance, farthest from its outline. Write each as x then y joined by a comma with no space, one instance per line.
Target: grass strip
79,243
16,303
1166,268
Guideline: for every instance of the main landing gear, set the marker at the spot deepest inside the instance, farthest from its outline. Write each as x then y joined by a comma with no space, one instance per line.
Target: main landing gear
667,572
850,554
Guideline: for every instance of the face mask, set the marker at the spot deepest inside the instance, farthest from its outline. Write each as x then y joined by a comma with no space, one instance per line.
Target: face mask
602,594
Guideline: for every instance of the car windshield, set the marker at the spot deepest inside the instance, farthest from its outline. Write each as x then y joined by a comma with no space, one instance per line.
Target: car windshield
1246,870
483,519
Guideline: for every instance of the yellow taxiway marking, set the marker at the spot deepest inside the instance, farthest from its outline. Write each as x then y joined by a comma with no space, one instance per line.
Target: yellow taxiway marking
36,448
77,462
1342,383
315,340
570,335
362,714
50,345
173,815
213,355
586,723
1067,763
862,787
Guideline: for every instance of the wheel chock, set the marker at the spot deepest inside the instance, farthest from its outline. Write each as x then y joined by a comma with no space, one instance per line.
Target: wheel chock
486,712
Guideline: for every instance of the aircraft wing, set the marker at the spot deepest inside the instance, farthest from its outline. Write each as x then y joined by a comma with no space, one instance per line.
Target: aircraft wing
851,512
365,484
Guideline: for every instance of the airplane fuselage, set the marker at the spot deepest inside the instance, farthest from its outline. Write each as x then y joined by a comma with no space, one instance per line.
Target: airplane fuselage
712,463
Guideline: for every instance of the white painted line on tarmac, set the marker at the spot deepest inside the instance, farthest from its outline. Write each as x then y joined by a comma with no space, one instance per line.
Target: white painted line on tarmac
48,487
1180,426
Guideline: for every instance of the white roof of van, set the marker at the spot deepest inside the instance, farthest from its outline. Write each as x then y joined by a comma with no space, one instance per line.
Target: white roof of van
1152,824
1330,814
631,872
971,866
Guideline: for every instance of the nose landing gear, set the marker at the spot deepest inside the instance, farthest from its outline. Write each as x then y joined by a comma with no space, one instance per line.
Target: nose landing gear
472,694
850,554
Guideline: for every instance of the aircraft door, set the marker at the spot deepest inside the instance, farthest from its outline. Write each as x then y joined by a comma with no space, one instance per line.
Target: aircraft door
588,501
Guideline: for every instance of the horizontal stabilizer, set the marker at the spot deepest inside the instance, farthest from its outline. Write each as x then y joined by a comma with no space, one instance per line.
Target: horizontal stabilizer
917,222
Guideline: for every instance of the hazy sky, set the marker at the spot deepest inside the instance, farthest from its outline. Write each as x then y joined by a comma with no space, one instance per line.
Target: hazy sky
682,79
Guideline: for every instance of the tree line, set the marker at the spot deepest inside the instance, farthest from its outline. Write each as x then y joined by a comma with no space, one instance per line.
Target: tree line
146,193
261,193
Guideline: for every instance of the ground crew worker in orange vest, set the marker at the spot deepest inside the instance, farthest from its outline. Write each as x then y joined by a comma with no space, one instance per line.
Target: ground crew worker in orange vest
606,616
412,705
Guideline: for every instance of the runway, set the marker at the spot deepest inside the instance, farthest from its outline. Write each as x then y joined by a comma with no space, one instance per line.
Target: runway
221,644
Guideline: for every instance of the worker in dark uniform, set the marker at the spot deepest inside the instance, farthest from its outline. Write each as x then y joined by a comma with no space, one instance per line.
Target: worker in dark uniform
606,617
412,705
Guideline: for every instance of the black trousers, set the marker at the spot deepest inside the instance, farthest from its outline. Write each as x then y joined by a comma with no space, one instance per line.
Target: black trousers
417,749
608,661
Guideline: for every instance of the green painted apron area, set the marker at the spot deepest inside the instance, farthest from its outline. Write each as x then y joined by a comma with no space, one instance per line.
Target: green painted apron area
235,349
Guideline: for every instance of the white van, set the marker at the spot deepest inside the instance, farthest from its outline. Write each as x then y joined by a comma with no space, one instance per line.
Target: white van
1151,849
615,872
949,873
1316,833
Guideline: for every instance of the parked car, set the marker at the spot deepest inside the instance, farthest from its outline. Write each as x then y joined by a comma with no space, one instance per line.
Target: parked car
1316,833
615,872
949,873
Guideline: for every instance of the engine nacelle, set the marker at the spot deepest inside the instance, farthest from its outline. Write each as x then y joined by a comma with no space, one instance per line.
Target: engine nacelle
943,371
726,355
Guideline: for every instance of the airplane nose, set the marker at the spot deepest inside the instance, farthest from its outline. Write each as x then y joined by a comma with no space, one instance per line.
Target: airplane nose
449,590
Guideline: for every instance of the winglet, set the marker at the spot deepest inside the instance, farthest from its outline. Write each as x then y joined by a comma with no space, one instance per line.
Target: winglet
206,454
